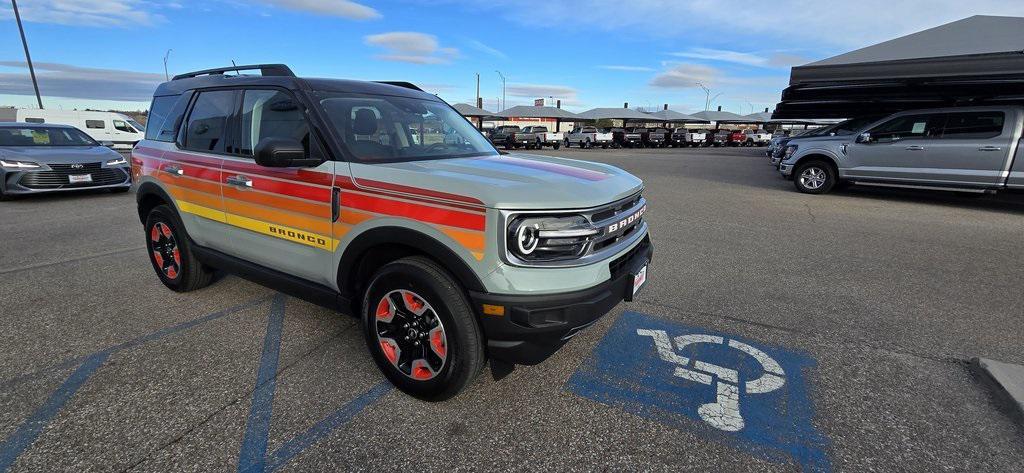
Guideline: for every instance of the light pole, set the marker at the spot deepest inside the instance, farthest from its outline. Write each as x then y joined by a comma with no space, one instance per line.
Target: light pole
707,96
502,88
167,55
28,57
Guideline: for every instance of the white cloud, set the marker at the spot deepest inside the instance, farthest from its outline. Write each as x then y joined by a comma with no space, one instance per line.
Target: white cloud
341,8
65,80
722,55
411,47
102,13
796,23
684,76
627,68
540,90
487,49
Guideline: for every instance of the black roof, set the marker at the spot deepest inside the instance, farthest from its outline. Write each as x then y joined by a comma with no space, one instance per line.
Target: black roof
278,75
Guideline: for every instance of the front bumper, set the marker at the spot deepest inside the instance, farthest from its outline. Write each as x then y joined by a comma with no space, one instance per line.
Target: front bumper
535,327
48,180
786,169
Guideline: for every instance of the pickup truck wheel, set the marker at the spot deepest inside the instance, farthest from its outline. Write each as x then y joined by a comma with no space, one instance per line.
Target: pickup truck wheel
420,329
555,146
814,177
586,145
171,254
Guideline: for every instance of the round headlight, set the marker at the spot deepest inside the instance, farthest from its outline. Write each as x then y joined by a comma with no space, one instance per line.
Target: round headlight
526,239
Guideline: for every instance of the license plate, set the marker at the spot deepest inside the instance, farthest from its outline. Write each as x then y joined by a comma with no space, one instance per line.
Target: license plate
639,279
79,178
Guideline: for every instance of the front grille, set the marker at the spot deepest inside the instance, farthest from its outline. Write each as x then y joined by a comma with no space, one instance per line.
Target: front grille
618,265
57,178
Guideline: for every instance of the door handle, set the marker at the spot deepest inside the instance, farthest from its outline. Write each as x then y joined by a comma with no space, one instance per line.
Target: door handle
989,148
335,204
174,170
239,181
914,148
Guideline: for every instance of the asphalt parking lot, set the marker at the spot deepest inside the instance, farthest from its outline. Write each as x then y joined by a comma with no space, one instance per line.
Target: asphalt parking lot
868,302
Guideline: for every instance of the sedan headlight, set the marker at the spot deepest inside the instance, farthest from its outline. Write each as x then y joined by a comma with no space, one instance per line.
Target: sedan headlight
115,162
545,239
8,164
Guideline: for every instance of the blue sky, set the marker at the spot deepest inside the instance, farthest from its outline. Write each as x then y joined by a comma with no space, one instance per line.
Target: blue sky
589,53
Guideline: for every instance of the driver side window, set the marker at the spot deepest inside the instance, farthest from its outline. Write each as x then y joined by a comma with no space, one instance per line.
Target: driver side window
924,126
272,114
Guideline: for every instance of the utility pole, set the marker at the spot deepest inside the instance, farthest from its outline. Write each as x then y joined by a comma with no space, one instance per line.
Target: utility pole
28,57
502,88
477,103
167,77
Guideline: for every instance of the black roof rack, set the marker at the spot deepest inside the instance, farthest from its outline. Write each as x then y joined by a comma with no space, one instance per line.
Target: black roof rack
265,69
407,85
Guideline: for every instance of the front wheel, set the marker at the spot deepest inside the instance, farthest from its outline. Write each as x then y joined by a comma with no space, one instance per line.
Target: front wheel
420,329
814,177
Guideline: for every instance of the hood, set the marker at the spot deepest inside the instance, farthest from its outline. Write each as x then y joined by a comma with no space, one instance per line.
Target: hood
512,181
58,154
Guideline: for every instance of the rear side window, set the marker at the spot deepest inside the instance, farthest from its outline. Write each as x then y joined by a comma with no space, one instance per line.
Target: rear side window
973,125
164,116
208,122
95,124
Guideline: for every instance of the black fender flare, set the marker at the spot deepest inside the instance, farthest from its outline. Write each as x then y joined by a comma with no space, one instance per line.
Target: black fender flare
348,267
147,191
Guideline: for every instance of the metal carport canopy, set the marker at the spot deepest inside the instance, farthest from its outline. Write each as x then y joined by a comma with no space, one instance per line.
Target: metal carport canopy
470,111
674,116
970,61
613,113
718,116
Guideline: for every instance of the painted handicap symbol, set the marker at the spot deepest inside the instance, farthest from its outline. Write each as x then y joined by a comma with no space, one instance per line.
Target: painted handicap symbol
726,388
724,413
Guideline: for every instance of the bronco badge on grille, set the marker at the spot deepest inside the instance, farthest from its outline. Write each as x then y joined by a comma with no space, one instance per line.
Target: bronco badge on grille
626,221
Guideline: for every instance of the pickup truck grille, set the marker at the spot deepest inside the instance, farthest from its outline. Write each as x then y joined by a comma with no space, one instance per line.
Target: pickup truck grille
58,177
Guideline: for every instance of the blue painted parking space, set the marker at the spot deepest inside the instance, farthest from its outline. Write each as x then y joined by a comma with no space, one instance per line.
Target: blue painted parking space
749,394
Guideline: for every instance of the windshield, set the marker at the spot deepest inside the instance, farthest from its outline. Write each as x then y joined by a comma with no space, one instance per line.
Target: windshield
44,136
378,128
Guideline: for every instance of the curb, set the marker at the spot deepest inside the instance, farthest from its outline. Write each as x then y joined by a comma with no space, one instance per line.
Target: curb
1007,383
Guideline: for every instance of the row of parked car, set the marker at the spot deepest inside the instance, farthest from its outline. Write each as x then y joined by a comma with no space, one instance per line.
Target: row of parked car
536,137
964,149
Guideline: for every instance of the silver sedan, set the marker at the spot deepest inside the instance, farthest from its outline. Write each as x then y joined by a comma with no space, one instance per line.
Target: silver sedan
38,158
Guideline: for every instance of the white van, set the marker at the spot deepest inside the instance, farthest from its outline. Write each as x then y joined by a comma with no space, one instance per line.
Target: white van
105,127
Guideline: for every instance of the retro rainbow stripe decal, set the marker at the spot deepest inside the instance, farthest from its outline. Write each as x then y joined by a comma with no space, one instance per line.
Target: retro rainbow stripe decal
295,205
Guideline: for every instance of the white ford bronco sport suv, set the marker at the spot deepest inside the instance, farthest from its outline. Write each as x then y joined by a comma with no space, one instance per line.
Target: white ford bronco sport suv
449,252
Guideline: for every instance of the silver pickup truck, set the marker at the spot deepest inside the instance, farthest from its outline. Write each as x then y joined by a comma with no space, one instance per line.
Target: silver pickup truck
965,149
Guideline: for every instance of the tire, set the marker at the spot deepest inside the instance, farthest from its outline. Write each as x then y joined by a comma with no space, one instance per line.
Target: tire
555,146
567,143
587,145
539,146
820,177
445,365
604,146
170,252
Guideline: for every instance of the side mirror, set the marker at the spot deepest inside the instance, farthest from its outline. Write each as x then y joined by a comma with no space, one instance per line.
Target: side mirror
864,137
282,153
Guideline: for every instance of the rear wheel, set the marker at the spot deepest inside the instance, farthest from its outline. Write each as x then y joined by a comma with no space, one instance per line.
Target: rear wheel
420,329
171,254
814,177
